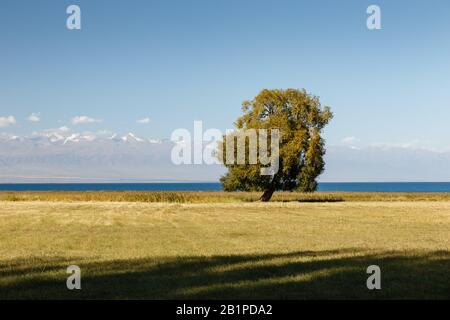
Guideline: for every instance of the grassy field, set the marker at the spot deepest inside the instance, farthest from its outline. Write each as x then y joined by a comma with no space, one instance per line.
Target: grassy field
137,248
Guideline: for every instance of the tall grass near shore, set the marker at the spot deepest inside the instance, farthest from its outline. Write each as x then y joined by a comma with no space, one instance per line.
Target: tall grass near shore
214,197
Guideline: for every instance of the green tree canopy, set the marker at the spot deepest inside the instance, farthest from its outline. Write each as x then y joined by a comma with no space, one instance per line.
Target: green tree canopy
300,118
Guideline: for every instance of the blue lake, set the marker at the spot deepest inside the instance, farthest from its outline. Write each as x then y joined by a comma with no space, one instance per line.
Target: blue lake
213,186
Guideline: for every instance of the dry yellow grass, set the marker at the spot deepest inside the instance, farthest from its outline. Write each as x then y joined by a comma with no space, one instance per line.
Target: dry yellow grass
225,250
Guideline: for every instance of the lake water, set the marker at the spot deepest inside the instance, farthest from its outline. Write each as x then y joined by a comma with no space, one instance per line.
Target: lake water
324,186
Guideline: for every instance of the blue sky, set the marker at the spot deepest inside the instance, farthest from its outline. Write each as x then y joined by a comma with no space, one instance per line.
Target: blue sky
180,61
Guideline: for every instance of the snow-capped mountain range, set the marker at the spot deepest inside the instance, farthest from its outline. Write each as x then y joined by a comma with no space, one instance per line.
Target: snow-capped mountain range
64,155
65,136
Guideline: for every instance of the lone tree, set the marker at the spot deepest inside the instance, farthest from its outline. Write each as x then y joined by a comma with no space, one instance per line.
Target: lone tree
300,118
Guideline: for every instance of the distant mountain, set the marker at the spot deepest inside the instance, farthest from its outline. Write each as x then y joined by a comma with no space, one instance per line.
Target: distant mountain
130,137
86,156
385,164
63,155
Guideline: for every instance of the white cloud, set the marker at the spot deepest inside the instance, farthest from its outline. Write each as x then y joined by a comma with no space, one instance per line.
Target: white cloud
64,129
143,120
7,121
34,117
84,119
350,140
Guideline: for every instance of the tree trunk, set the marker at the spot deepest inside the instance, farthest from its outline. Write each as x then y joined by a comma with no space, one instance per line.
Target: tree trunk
267,194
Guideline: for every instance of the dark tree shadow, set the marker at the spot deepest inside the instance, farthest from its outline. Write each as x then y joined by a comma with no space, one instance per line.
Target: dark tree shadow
339,274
